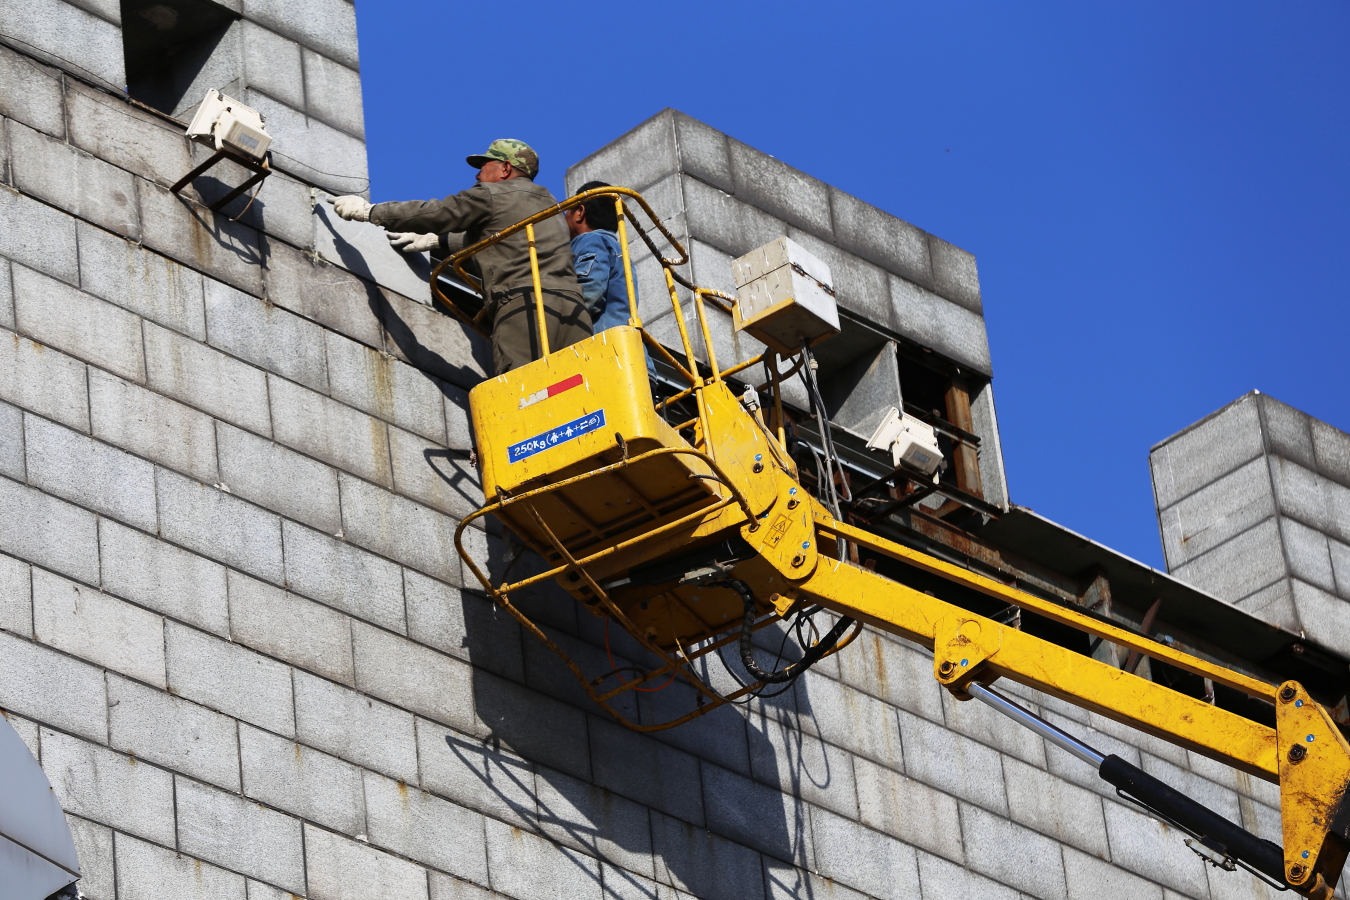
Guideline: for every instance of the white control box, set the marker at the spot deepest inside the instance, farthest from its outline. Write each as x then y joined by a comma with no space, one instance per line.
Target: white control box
784,296
910,441
227,122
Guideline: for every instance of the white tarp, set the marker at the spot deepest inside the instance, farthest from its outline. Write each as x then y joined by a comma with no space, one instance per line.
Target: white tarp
37,853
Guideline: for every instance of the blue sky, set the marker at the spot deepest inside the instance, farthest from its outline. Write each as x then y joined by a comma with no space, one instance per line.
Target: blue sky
1157,193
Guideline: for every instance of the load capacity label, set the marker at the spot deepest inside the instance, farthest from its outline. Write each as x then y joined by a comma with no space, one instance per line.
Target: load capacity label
555,436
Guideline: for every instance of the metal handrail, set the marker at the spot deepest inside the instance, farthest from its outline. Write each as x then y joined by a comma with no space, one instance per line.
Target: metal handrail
727,494
456,261
680,662
624,215
735,496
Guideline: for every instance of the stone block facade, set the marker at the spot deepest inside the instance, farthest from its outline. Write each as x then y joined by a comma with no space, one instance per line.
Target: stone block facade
721,198
234,631
1254,507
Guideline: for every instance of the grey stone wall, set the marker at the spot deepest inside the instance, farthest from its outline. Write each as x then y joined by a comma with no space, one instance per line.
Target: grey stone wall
722,198
295,62
234,631
1254,507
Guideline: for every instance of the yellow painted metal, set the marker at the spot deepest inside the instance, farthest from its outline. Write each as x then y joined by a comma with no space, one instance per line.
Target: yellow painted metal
1314,777
636,318
611,497
693,364
734,370
1062,614
723,301
776,379
516,407
680,323
457,260
707,336
665,483
538,292
742,448
969,647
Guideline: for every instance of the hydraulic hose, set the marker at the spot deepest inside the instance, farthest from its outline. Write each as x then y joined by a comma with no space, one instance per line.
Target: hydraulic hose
1196,818
823,423
1211,829
809,658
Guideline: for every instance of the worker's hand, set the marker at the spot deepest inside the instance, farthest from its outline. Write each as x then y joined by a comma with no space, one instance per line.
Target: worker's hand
351,207
410,242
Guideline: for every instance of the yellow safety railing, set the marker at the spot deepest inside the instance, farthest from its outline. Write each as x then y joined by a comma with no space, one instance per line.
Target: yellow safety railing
800,560
677,662
689,370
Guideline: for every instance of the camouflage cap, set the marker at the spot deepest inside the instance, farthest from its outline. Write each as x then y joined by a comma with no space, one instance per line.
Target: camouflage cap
507,150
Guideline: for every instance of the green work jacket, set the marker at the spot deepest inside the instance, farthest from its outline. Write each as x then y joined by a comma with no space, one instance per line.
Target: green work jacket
485,209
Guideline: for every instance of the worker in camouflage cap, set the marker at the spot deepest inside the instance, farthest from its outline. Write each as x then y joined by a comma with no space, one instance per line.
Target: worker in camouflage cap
508,150
504,195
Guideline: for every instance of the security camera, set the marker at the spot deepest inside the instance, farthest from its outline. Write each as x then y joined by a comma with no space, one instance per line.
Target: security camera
229,123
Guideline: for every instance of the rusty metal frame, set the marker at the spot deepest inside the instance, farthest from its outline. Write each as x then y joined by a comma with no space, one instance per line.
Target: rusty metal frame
260,169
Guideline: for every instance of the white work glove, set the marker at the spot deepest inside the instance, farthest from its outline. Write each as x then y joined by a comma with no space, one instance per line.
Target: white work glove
351,207
411,242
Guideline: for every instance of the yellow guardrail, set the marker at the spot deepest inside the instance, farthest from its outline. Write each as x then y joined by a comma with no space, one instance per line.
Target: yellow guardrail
689,370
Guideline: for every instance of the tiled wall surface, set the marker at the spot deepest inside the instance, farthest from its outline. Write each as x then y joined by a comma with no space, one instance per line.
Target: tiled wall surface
295,62
234,630
721,198
1254,507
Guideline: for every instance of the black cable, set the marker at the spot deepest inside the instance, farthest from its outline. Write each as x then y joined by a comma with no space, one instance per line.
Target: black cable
759,692
818,456
809,658
827,431
832,460
805,618
818,409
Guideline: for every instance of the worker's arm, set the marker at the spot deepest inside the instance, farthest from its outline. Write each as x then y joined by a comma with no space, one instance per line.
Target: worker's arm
458,212
591,259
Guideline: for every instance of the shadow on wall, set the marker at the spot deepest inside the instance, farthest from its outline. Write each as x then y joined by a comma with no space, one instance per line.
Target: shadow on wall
218,225
688,806
693,806
399,331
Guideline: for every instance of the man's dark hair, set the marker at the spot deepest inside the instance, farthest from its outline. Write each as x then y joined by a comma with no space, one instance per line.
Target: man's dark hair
599,210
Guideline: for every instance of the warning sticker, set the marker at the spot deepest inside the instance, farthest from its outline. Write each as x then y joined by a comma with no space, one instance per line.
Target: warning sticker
552,390
777,530
555,436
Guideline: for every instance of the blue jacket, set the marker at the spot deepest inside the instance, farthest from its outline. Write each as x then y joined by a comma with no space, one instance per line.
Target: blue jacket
598,260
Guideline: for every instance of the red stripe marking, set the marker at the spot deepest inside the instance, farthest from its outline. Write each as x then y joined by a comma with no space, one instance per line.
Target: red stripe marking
565,385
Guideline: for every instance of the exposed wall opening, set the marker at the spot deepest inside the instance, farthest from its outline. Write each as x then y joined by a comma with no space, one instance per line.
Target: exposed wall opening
177,49
940,394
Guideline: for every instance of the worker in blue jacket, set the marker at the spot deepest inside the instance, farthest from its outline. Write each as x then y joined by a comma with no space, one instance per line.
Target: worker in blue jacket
598,261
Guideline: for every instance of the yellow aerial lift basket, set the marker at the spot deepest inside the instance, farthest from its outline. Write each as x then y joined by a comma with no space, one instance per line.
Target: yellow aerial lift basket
580,424
692,535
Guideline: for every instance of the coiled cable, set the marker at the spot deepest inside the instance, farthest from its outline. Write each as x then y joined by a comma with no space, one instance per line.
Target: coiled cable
810,655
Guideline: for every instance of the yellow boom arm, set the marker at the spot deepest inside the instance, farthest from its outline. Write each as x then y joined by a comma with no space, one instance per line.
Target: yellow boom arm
690,535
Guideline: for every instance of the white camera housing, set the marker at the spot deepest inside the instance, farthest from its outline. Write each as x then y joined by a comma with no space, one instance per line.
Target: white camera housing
910,441
229,123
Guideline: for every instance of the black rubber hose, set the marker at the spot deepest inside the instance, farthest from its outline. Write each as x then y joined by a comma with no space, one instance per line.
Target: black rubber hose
1236,841
809,658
